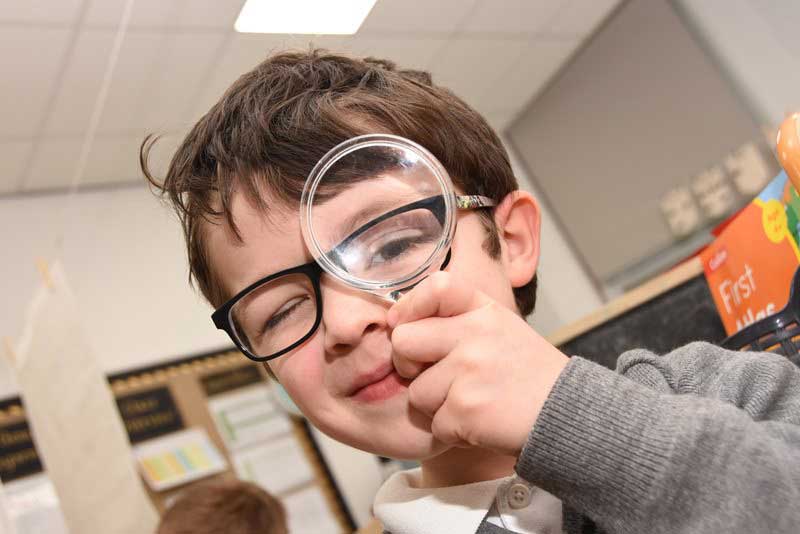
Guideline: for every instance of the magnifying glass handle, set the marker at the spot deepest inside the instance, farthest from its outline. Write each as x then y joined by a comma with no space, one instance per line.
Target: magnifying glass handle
392,296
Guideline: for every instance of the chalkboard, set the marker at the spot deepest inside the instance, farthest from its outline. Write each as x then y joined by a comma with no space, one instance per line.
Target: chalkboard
674,318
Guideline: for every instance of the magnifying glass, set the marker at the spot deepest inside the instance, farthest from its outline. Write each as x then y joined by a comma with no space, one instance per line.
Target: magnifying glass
378,212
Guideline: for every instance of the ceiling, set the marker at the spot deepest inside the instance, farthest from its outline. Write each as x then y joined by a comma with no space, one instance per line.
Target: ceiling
73,112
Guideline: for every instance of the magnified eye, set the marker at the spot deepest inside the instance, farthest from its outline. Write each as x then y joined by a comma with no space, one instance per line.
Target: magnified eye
395,245
390,247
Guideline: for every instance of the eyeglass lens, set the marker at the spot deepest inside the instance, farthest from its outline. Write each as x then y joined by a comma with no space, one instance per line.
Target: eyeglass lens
275,315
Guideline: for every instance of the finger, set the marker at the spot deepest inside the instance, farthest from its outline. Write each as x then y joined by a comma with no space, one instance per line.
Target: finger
429,340
429,390
408,368
446,427
442,294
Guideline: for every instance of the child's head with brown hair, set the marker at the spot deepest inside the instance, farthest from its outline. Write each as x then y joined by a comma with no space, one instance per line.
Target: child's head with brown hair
275,122
236,182
232,507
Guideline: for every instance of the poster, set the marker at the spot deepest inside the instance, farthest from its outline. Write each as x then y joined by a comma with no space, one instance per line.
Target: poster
178,458
248,416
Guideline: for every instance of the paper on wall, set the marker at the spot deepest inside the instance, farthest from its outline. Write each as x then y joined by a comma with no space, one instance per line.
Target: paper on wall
248,416
309,513
75,422
275,466
6,523
33,506
178,458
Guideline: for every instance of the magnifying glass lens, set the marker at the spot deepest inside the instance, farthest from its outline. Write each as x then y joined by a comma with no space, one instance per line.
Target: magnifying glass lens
376,213
393,245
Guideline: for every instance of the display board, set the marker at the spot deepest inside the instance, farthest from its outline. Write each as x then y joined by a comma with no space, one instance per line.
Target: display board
640,143
196,419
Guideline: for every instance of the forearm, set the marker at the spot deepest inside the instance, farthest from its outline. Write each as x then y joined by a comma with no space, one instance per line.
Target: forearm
635,460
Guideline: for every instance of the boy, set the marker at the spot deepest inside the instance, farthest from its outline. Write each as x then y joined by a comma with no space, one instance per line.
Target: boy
512,435
232,507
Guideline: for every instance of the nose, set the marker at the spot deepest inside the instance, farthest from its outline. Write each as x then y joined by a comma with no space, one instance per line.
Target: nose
349,314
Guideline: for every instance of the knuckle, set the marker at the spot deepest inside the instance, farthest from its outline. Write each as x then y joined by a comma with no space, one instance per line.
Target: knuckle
406,369
444,430
415,394
471,361
465,406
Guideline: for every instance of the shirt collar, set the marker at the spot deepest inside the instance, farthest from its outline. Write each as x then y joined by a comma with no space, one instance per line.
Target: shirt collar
405,508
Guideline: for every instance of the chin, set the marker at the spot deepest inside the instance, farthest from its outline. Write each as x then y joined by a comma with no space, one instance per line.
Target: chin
412,445
401,438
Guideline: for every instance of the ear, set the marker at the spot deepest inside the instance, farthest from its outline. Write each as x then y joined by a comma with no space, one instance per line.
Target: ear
518,222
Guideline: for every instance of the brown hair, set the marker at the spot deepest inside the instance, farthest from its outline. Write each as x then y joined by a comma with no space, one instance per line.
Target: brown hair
232,507
276,121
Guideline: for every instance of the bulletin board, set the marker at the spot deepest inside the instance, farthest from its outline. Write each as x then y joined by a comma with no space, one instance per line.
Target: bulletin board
202,418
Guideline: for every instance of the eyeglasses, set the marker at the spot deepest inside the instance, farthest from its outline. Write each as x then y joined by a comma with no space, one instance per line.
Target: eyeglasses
279,312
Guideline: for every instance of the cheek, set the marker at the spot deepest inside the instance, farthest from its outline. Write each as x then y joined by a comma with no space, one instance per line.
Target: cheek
301,373
472,262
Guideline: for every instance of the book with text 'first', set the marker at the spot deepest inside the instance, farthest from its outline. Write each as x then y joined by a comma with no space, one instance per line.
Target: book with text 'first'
749,267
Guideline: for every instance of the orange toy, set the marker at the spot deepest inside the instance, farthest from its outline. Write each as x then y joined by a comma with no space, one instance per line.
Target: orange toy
789,148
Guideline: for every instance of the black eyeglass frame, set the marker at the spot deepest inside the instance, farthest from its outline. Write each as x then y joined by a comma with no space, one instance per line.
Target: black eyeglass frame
313,271
222,315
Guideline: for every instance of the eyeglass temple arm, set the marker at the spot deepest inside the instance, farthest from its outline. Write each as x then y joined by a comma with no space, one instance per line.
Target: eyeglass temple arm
469,202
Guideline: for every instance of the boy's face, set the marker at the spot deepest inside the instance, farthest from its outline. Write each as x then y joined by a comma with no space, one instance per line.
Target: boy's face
342,378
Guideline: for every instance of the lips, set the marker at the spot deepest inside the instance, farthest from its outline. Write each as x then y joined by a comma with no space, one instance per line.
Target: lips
378,385
364,380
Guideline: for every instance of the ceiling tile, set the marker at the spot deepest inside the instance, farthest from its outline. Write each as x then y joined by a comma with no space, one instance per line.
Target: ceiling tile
113,159
54,163
132,77
183,66
581,17
80,86
146,13
27,79
537,63
442,16
242,52
470,67
40,11
406,52
210,13
160,155
217,14
13,157
512,16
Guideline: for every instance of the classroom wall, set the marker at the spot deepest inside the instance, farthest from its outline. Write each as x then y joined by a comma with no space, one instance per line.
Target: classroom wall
124,258
757,45
566,291
601,139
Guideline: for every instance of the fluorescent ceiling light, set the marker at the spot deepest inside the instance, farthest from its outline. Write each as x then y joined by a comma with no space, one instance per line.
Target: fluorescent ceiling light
340,17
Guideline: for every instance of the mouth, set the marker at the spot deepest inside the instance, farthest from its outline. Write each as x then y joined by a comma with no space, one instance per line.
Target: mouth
378,385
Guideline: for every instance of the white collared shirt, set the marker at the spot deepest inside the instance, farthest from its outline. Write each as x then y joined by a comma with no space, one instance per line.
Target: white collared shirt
404,507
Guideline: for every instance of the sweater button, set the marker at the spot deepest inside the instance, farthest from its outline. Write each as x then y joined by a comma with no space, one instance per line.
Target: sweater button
519,496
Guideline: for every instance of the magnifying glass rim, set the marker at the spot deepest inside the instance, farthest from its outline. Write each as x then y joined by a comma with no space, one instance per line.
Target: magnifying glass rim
345,148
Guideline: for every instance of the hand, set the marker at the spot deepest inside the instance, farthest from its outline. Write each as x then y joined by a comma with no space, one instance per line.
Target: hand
480,372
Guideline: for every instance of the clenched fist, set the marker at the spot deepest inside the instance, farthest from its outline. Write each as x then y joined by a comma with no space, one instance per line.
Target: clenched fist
479,371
